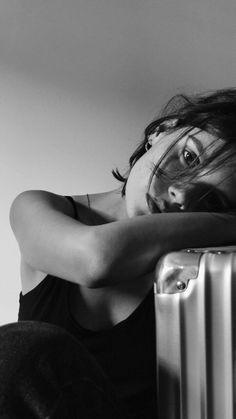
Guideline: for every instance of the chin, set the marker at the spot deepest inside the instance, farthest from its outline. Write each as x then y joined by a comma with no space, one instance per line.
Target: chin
136,211
136,205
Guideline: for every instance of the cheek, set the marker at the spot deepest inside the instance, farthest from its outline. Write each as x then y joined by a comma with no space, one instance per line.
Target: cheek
137,188
159,182
141,173
158,187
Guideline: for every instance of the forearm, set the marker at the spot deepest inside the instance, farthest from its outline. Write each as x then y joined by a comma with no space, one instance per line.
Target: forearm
131,248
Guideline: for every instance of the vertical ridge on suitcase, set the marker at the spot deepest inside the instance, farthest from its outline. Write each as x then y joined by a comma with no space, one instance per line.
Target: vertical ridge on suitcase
195,328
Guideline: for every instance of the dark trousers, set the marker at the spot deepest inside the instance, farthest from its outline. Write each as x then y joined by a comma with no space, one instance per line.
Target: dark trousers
45,373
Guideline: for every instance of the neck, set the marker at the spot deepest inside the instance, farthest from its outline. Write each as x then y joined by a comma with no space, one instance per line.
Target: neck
109,204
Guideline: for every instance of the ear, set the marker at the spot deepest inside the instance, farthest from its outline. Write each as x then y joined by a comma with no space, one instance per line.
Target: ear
158,134
154,138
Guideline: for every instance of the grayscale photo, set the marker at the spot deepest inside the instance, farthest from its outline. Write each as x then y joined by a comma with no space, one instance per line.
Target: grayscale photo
118,215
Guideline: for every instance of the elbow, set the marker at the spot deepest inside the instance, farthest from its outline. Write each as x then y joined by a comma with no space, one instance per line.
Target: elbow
17,209
13,211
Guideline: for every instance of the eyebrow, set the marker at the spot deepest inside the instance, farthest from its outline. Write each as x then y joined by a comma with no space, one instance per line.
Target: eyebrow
197,141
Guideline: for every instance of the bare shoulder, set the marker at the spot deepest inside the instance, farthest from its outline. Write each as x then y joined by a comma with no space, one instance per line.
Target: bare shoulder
31,277
99,208
52,241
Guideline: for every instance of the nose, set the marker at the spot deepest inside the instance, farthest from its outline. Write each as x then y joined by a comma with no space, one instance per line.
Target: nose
176,197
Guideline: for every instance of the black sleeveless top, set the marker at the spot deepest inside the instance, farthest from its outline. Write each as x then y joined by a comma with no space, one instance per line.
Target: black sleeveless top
126,352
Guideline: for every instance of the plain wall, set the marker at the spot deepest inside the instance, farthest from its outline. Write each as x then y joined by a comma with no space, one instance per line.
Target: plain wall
79,80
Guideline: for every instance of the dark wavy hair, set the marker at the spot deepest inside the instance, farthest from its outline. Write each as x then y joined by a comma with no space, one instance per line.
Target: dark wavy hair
214,112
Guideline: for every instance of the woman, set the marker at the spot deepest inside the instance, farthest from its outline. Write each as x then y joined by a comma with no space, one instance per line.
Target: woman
88,261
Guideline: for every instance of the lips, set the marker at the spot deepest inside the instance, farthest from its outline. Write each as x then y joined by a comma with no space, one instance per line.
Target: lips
158,206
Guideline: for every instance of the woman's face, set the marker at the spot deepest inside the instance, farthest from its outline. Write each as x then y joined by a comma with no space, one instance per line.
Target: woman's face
147,192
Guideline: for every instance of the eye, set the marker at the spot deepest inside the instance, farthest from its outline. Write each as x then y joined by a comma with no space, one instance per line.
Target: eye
190,158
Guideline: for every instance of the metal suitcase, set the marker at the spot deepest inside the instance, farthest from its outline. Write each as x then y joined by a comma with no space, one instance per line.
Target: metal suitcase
195,306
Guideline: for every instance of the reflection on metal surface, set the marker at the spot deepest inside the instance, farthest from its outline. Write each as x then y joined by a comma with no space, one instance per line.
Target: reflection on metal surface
178,269
196,334
174,274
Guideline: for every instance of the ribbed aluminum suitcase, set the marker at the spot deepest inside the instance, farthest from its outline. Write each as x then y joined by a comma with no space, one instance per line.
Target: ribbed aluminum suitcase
195,304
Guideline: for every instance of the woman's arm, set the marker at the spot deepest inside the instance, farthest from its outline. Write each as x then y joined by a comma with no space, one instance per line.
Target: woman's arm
95,256
50,239
131,248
